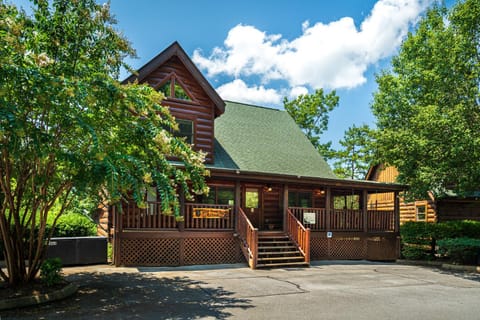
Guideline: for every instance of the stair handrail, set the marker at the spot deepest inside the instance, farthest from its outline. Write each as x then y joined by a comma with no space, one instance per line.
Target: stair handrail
248,234
299,235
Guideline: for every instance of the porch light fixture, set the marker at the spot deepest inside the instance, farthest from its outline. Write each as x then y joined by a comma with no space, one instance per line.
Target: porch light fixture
268,188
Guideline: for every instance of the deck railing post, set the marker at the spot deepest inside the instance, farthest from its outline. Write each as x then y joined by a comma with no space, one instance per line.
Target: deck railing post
181,199
328,208
285,206
396,212
365,210
254,248
117,222
307,246
237,205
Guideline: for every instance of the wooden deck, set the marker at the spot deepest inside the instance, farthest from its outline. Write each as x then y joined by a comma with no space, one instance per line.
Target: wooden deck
148,237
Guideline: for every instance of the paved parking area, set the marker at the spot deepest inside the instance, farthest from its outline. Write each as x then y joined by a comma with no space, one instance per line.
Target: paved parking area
326,290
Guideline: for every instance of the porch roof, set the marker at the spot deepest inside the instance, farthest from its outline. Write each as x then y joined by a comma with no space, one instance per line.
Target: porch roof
256,139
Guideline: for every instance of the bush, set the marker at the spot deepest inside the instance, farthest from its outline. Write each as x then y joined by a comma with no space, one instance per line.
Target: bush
51,271
417,232
460,250
457,229
74,225
415,252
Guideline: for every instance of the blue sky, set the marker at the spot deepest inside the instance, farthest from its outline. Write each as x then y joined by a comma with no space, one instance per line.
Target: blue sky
260,51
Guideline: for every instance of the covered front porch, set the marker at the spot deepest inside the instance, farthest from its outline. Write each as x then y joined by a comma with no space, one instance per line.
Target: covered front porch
306,222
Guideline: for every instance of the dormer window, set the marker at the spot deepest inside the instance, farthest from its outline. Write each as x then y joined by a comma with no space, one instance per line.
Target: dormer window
172,88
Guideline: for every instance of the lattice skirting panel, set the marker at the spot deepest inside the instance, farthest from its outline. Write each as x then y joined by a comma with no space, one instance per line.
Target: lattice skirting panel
211,251
319,248
354,247
150,252
176,251
347,248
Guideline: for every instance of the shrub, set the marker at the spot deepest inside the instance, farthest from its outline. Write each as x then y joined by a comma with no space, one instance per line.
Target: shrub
457,229
74,225
417,232
460,250
51,271
415,252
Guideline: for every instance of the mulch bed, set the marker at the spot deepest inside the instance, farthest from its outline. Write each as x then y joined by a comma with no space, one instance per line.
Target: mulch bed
30,289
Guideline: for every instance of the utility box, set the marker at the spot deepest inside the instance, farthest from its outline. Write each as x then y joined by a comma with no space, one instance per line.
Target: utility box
78,250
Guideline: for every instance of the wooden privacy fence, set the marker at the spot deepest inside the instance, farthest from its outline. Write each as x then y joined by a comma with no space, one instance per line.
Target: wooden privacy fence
249,236
299,235
319,219
196,216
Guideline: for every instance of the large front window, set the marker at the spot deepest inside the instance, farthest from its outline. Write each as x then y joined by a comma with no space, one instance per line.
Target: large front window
219,195
300,199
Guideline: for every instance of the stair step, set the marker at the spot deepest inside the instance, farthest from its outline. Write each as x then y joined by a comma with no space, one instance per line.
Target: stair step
285,264
276,247
281,258
281,236
278,252
274,241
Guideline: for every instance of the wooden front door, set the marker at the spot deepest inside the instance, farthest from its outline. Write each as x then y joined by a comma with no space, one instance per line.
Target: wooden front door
252,204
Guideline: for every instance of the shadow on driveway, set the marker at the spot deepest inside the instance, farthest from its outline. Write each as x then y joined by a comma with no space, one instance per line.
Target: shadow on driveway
135,296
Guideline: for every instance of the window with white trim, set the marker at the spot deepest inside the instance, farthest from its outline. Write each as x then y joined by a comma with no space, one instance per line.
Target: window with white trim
421,212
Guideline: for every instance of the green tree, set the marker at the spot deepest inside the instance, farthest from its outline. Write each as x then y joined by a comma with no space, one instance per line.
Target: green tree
68,127
355,156
311,112
427,107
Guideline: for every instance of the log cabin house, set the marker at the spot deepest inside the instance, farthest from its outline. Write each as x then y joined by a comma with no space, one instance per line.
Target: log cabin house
273,199
449,207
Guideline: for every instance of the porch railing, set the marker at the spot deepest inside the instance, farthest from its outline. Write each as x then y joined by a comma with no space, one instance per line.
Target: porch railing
346,220
151,217
197,216
381,220
249,237
318,219
299,234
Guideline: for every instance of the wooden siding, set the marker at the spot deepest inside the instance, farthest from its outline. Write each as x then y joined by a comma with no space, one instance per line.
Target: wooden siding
385,201
103,219
382,174
201,110
458,209
272,211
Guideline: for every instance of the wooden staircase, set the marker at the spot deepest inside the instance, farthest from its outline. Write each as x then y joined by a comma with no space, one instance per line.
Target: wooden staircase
275,249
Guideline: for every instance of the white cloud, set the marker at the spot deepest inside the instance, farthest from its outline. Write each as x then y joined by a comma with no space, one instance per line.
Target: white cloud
237,90
333,55
296,91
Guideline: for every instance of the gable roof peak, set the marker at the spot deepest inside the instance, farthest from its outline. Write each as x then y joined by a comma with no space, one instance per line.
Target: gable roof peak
175,49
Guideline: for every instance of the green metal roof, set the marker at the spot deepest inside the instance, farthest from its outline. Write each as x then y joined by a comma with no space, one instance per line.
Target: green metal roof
262,140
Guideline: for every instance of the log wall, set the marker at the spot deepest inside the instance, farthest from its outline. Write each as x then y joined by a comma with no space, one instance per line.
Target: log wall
201,110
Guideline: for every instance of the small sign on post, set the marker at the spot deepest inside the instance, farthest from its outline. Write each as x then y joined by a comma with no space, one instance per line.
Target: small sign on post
329,234
309,218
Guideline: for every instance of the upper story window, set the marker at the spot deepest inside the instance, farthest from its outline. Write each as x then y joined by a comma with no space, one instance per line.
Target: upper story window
173,89
185,130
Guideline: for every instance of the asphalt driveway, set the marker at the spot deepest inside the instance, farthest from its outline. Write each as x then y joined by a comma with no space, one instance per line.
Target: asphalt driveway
327,290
